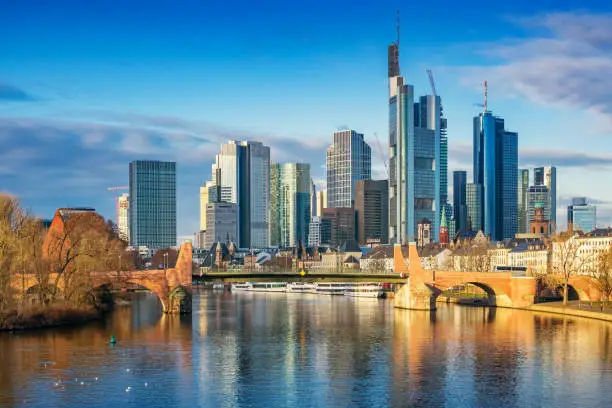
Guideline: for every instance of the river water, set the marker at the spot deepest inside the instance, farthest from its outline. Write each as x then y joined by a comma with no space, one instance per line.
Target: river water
279,350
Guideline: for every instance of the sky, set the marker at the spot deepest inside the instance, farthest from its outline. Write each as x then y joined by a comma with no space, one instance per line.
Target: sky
88,86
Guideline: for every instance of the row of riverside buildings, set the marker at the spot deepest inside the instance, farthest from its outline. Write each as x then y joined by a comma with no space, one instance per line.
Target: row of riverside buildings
257,204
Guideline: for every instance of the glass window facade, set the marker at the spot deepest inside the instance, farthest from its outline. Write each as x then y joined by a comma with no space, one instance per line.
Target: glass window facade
290,201
152,204
582,216
473,197
538,196
459,200
349,159
523,186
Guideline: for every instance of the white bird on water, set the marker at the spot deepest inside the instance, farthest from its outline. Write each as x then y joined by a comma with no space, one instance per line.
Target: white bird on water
128,389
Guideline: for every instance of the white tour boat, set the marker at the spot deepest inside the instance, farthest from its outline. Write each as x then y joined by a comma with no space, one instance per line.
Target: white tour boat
218,286
368,290
268,287
240,287
332,288
300,287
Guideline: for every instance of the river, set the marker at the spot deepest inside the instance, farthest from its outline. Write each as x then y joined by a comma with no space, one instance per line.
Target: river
278,350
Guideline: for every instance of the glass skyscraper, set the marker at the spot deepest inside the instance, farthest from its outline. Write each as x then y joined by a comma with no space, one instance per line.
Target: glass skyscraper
538,196
290,201
582,216
349,159
242,172
415,158
459,200
547,176
473,199
496,169
152,204
523,186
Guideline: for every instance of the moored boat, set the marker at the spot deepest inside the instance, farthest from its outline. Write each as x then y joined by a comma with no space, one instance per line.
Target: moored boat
268,287
300,287
218,286
332,288
240,287
366,289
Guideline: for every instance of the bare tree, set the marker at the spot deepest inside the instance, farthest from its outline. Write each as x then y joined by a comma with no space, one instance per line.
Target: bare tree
474,257
602,274
566,259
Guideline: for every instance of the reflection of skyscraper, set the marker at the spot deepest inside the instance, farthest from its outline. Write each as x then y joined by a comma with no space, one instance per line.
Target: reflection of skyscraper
523,186
348,160
547,176
290,200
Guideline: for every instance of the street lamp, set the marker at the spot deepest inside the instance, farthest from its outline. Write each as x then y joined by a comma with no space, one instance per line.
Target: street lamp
166,260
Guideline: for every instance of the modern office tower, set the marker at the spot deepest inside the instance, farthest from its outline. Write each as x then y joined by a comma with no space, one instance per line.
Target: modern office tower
581,216
319,231
547,176
242,172
203,202
523,186
342,224
496,169
123,217
152,204
313,199
414,163
459,200
538,196
220,223
321,202
290,201
473,199
372,211
349,159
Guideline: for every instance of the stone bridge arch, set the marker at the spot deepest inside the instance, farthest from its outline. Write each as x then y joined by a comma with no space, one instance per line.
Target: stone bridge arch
424,286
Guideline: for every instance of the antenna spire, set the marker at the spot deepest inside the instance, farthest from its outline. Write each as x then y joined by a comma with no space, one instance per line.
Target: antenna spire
397,27
485,96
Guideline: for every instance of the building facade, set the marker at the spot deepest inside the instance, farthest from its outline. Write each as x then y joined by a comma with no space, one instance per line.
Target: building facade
459,201
152,204
123,217
547,176
319,232
321,202
221,224
372,211
523,187
538,196
242,172
496,169
342,224
349,159
290,201
473,199
581,216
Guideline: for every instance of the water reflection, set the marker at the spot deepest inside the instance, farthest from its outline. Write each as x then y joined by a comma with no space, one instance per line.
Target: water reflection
304,350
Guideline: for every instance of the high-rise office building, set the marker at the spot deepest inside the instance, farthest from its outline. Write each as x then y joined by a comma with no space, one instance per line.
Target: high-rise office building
242,172
523,186
547,176
123,217
459,200
220,223
372,211
538,196
319,232
581,216
496,169
321,202
475,213
342,224
313,199
415,162
290,200
152,204
349,159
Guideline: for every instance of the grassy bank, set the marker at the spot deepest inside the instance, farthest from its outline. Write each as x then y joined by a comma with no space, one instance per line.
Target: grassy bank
48,316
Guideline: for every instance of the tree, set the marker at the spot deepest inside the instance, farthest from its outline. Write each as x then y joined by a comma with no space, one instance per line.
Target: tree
602,274
165,257
474,257
566,259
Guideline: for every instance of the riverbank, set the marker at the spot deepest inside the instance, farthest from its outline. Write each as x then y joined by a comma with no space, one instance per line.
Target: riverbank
50,316
573,308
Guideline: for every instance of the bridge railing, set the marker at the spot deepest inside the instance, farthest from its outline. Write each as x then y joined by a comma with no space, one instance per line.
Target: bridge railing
311,272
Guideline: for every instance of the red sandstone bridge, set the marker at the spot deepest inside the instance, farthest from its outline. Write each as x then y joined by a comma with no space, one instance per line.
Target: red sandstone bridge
173,286
504,290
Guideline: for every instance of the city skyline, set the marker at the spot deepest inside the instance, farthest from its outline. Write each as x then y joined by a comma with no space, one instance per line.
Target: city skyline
80,128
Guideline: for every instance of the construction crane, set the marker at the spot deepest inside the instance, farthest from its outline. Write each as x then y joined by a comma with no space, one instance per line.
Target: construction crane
116,189
382,155
432,82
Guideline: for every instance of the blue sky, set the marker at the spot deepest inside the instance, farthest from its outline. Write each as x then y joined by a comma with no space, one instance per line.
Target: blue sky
86,87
